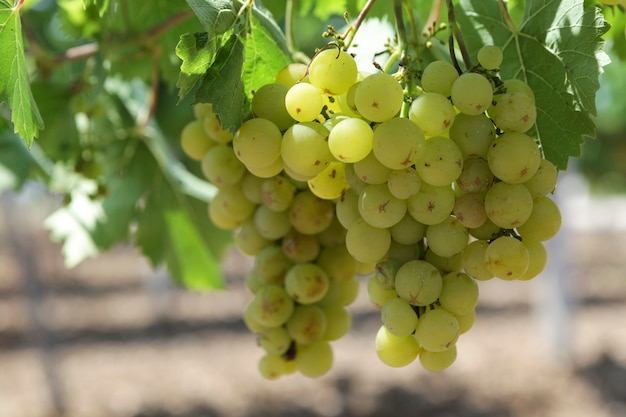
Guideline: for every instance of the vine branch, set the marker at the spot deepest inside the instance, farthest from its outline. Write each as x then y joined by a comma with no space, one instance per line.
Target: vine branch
455,33
352,29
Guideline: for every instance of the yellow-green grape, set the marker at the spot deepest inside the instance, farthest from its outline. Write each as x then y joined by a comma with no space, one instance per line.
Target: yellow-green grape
418,282
408,231
253,284
268,171
305,149
448,237
346,101
214,129
331,183
398,143
337,262
445,264
251,186
234,202
370,170
514,85
221,167
399,317
338,322
272,306
366,243
403,183
437,361
304,102
248,239
473,260
310,214
433,113
333,236
333,71
271,264
306,283
377,293
544,221
538,257
378,97
514,157
490,57
469,209
475,177
249,317
347,208
221,218
459,293
355,183
297,177
271,367
403,253
200,110
194,141
379,207
544,181
466,321
350,140
508,205
271,225
299,247
514,112
442,161
275,340
507,258
487,231
472,93
277,193
348,291
472,134
307,324
437,330
431,205
438,77
314,360
268,102
395,351
291,74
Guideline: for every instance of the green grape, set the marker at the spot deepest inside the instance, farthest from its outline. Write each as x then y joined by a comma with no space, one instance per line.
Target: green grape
271,264
490,57
331,183
333,71
220,166
347,208
297,177
431,205
385,273
269,171
251,187
271,367
257,143
459,293
472,134
272,306
300,248
305,149
475,176
486,232
445,264
310,214
234,202
544,221
418,282
437,361
200,110
408,231
366,243
379,207
398,143
249,318
355,183
277,193
248,239
448,237
442,162
514,85
370,170
304,102
338,320
378,294
253,284
403,253
334,235
437,330
271,225
194,141
469,209
398,317
346,101
268,102
472,93
544,181
314,360
378,97
307,324
433,113
474,260
537,260
348,291
514,112
508,205
514,157
291,74
350,140
337,262
403,183
466,321
214,129
395,351
275,340
306,283
221,218
438,77
507,258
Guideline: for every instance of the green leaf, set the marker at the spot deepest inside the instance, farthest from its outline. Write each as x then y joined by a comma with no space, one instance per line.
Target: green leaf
216,16
14,83
197,51
557,50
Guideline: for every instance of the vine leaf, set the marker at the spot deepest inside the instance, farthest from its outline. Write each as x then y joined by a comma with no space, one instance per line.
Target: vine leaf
14,83
557,50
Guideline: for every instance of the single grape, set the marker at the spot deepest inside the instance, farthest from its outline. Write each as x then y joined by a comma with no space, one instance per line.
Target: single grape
347,208
459,293
299,247
271,264
514,85
544,221
379,208
437,361
378,97
431,205
306,283
398,143
408,231
304,149
473,260
271,224
251,187
366,243
350,140
307,324
304,102
418,282
248,239
403,183
268,102
395,351
544,181
508,205
272,306
221,218
475,176
469,209
442,162
213,128
433,113
490,57
437,330
275,340
234,202
338,322
291,74
371,171
333,71
438,77
507,258
337,262
514,157
537,260
378,294
314,360
448,237
334,236
514,112
398,317
194,141
221,167
200,110
277,193
472,134
268,171
310,214
466,321
331,183
472,93
271,367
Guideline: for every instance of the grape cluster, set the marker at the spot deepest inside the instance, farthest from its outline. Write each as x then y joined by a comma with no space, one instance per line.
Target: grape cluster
340,173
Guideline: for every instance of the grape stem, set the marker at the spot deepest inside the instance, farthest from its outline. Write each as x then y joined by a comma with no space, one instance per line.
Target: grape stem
455,33
352,29
507,17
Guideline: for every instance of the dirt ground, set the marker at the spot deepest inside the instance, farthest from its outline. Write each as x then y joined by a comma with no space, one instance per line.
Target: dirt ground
111,338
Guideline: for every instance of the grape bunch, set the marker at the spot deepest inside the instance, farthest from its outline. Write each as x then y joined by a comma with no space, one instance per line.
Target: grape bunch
340,173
